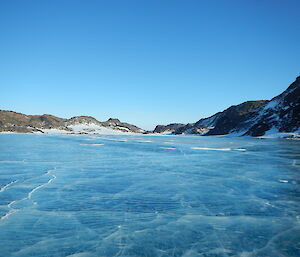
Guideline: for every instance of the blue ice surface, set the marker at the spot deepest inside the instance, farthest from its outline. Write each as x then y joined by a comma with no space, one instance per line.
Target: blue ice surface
93,196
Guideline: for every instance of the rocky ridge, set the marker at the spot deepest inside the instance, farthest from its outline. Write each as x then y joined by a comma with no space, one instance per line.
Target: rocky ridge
254,118
11,121
168,128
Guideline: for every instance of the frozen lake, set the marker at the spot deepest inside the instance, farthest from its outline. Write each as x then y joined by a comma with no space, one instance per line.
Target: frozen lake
93,196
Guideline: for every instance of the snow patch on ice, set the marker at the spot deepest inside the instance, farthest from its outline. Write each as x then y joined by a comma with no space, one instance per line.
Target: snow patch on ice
236,133
90,128
274,133
283,181
92,144
56,131
166,132
218,149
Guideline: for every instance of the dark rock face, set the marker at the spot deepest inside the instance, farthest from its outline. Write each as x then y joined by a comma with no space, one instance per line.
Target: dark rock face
252,118
46,121
113,121
82,120
259,129
236,118
281,113
122,126
171,127
17,122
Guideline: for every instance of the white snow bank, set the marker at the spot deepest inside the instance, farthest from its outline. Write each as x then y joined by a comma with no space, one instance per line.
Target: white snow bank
92,144
89,128
274,133
218,149
55,131
167,132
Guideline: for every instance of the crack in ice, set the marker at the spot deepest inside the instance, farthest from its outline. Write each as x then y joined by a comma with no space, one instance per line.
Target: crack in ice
10,205
8,185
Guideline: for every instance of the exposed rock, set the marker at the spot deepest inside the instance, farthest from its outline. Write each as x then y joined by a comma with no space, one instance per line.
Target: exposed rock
281,113
82,120
122,126
113,121
168,128
254,118
46,121
235,118
17,122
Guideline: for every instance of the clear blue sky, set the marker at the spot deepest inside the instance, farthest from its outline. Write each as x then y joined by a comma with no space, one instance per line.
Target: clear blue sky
145,62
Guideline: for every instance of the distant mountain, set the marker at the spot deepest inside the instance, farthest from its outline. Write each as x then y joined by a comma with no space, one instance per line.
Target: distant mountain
168,128
17,122
282,113
254,118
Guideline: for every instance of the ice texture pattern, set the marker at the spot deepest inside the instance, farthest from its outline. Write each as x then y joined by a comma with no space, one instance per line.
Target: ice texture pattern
116,195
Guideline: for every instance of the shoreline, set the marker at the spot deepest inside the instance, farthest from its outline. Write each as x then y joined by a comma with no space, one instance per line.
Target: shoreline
278,135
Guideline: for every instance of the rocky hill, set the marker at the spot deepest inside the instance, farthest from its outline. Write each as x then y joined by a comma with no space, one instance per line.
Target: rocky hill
17,122
254,118
282,113
168,128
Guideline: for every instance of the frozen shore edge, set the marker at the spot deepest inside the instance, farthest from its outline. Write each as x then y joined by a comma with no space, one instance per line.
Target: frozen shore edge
283,135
